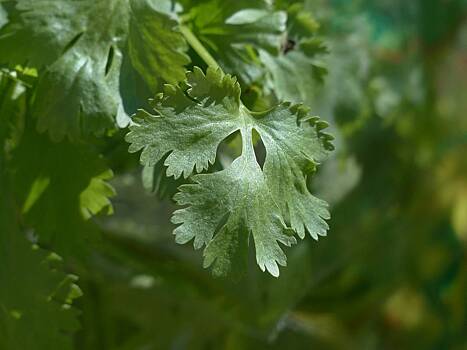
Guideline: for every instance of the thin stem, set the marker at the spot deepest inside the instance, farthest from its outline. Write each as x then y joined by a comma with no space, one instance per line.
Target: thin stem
198,47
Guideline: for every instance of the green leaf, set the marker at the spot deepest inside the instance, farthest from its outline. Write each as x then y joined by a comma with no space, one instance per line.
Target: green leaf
297,71
81,45
296,75
155,45
32,290
234,30
12,109
226,207
59,187
94,199
35,295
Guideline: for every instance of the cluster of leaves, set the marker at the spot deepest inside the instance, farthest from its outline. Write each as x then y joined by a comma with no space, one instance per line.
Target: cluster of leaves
393,275
33,287
107,53
74,72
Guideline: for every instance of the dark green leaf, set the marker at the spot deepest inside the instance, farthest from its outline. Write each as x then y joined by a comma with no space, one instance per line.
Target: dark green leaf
81,45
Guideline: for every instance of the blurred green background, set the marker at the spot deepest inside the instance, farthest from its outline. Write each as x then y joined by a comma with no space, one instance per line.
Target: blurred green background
392,273
390,77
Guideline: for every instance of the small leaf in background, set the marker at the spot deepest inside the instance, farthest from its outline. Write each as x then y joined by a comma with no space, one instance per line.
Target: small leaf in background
235,30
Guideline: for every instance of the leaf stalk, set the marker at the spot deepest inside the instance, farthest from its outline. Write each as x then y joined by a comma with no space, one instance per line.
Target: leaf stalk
198,47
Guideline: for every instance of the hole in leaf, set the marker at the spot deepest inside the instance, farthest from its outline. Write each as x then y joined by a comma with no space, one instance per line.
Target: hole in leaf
260,149
72,42
229,149
110,58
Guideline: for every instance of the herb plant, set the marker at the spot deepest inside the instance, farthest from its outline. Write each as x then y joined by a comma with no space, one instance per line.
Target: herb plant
76,77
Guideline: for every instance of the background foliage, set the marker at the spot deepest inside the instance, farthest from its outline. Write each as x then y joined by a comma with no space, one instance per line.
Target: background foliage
87,255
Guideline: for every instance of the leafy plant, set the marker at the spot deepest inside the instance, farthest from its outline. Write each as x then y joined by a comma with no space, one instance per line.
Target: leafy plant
73,72
216,100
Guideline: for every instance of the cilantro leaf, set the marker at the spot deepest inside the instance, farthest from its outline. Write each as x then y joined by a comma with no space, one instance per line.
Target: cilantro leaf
32,290
33,287
12,108
226,207
66,181
235,30
57,186
295,75
82,45
298,69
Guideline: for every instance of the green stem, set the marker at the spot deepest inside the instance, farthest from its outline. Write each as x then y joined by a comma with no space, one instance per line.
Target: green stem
198,47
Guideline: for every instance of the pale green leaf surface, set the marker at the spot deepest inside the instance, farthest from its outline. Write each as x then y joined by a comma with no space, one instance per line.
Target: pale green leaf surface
226,207
82,45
